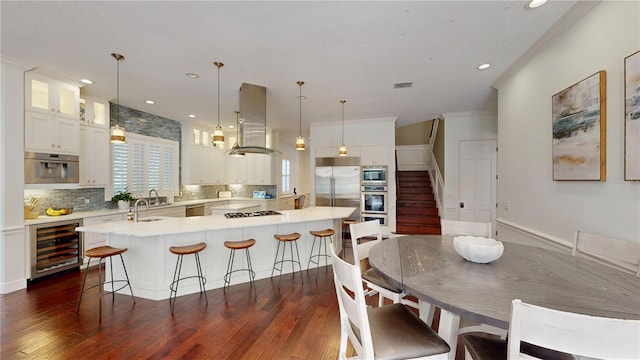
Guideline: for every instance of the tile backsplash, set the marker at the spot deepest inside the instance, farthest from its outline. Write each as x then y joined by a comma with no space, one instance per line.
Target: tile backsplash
93,199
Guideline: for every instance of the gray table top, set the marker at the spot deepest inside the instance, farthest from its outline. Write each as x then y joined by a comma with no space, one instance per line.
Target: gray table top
429,268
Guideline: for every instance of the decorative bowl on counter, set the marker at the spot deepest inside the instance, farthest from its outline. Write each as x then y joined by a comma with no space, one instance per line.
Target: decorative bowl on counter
478,249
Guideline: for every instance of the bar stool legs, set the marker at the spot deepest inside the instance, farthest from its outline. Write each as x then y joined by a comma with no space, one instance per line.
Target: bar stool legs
239,245
181,251
322,235
346,231
102,253
284,239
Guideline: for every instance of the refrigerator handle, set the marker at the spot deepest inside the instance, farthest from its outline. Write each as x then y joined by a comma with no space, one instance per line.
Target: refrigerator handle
332,192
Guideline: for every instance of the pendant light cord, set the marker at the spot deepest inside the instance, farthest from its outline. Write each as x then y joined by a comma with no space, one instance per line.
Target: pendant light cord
342,102
118,88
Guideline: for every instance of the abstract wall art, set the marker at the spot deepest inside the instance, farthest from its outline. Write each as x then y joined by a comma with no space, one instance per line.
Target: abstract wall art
632,117
579,130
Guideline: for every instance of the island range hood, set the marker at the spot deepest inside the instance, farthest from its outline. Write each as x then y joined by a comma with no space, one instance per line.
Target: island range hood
252,127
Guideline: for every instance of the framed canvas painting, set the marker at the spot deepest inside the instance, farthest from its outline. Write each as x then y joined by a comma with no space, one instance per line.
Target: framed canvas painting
579,130
632,117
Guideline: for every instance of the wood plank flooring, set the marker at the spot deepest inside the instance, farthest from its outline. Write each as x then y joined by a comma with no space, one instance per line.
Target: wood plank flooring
295,321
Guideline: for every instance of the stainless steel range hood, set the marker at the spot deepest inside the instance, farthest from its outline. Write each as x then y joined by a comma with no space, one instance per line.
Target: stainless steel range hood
252,138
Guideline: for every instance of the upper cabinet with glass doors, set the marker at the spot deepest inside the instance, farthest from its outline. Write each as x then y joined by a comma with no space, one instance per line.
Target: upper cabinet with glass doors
47,95
94,111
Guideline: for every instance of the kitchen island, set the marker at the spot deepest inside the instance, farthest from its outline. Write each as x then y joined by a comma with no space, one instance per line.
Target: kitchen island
150,264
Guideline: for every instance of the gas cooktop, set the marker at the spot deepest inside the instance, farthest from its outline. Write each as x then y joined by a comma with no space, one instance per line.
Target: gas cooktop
231,215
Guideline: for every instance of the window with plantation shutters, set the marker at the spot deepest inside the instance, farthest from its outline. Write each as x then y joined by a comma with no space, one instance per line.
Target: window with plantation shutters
144,163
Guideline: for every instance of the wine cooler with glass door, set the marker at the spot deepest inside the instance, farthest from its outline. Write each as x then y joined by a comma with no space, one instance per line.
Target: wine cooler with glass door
55,247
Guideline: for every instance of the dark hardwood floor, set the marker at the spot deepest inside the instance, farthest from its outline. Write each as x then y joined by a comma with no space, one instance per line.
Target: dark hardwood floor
295,321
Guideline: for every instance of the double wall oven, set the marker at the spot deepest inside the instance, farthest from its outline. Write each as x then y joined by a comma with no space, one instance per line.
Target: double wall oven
374,195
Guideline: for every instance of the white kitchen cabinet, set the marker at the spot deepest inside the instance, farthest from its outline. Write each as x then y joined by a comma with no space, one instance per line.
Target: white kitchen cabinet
93,240
207,167
374,155
252,169
50,96
239,169
262,166
218,166
352,151
96,111
94,156
46,133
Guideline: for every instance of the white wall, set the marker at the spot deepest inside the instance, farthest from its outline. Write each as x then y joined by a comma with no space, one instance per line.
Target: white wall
458,127
543,209
12,244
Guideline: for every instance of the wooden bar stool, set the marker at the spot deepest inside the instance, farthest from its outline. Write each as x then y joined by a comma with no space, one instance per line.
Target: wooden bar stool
101,253
323,235
181,251
239,245
284,239
346,231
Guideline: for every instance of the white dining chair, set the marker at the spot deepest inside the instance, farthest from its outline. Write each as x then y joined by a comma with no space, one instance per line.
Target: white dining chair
387,332
375,283
619,253
470,228
559,335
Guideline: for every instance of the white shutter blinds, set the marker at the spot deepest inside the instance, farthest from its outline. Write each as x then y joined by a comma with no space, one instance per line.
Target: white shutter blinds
119,172
144,163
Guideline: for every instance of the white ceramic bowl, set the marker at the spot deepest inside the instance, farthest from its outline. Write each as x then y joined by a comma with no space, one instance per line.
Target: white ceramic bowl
478,249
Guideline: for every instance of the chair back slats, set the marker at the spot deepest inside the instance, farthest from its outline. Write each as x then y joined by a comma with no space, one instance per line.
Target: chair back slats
364,229
578,334
454,227
352,308
625,254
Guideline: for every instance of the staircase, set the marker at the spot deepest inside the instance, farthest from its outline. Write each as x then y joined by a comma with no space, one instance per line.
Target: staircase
416,211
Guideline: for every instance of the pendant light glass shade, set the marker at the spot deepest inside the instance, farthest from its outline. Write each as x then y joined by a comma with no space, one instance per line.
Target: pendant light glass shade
300,139
342,151
117,131
218,135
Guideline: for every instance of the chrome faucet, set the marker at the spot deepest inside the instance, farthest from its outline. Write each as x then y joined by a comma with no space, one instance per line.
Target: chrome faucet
157,201
135,208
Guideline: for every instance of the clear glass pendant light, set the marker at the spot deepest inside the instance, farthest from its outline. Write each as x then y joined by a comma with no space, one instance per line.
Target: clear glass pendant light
342,151
117,131
300,139
218,135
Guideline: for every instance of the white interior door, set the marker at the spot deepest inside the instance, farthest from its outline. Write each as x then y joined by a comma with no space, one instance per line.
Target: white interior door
477,181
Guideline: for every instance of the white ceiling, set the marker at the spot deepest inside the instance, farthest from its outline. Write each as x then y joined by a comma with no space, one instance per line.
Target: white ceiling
341,50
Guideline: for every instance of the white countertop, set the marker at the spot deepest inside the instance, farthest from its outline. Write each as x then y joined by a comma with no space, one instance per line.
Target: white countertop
87,214
171,225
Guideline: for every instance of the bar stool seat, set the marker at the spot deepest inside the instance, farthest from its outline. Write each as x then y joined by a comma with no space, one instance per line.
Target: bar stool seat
315,258
239,245
101,253
284,239
181,251
346,231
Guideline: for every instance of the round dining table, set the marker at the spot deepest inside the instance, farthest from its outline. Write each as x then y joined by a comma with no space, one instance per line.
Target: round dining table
429,268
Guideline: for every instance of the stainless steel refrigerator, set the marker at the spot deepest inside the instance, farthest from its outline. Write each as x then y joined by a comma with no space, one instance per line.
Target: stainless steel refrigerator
338,182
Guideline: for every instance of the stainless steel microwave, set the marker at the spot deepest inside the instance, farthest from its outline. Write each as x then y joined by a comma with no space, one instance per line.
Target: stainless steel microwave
41,168
373,175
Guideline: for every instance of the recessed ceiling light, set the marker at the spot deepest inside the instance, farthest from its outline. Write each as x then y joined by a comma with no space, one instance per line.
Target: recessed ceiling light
230,126
192,75
86,81
484,66
535,3
407,84
150,102
192,116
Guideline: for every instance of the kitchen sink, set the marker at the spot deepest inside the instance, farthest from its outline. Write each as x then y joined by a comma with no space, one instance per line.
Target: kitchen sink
150,219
